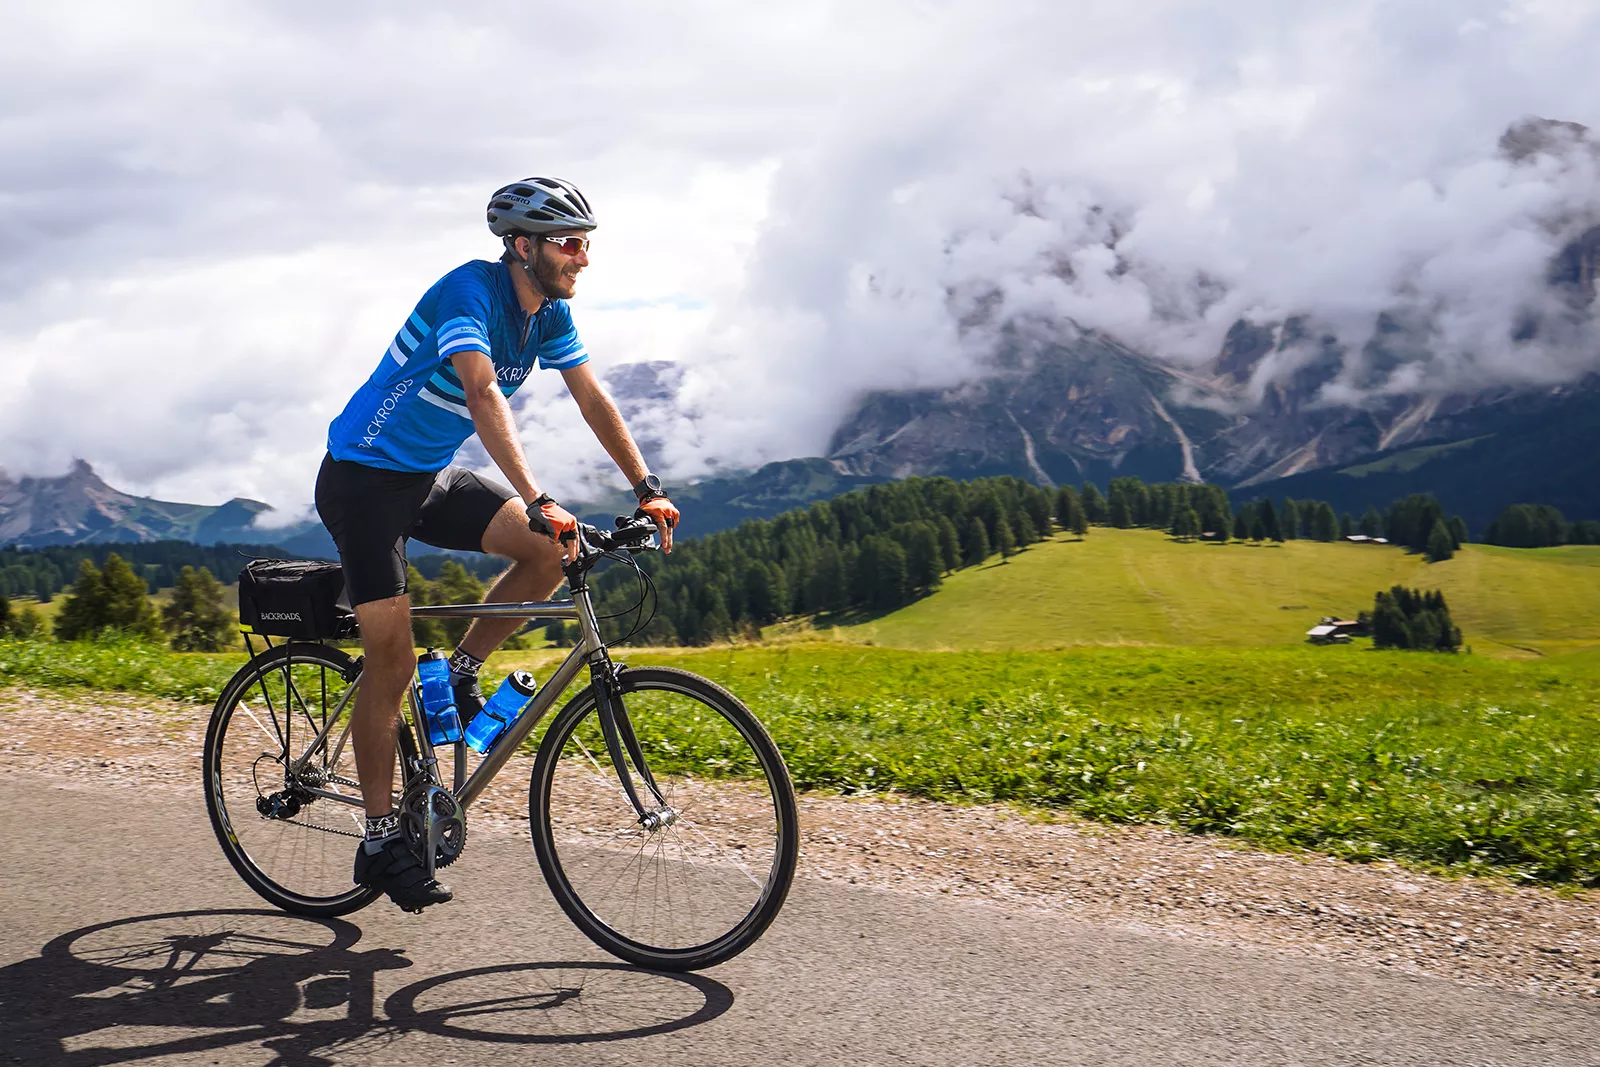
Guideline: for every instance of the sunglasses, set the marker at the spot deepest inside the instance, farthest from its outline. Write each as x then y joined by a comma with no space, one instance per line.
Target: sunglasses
570,245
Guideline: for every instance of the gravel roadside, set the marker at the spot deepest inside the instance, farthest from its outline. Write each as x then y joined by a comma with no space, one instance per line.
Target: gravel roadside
1478,931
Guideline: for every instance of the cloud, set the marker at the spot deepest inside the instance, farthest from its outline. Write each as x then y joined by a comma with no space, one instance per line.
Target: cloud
212,218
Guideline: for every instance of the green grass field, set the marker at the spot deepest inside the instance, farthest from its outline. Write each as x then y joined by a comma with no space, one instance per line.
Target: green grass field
1130,678
1141,587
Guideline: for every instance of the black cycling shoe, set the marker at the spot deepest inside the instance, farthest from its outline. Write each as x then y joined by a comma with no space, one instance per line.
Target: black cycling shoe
397,871
469,698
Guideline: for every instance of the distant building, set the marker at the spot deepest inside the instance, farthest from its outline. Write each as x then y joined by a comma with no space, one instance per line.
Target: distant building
1331,631
1363,539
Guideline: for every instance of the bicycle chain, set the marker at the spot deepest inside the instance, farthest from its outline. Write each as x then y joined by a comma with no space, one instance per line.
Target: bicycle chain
324,829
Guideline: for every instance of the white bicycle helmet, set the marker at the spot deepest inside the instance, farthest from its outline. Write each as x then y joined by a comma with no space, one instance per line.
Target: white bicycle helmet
535,206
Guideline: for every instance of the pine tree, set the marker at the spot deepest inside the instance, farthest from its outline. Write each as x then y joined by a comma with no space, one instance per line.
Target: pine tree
1324,523
1094,505
1347,525
83,614
1121,515
828,590
128,606
1270,526
196,617
457,585
949,544
1389,626
7,617
425,633
1005,540
1026,532
1458,530
1185,522
1241,526
924,560
1441,546
27,622
975,545
1372,523
1289,520
715,621
111,599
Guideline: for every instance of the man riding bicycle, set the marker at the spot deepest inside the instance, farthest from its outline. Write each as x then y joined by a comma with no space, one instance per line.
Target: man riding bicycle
472,340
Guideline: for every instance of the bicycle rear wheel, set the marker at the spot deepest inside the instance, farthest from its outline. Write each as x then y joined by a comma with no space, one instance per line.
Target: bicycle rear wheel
277,761
699,888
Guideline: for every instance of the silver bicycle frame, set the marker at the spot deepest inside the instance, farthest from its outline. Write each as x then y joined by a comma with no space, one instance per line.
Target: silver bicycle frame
588,647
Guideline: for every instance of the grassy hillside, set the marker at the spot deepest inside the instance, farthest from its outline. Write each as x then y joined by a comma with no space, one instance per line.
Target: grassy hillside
1141,587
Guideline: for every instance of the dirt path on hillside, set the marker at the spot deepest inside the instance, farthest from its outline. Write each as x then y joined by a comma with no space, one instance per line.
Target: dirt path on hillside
1478,931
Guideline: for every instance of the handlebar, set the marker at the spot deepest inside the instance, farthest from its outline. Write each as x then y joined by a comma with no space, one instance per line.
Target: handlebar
633,534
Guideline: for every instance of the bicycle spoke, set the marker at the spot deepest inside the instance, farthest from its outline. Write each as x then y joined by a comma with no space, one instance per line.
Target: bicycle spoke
290,843
713,863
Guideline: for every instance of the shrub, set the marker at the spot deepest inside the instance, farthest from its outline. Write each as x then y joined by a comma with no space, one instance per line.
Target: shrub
196,616
112,599
1410,618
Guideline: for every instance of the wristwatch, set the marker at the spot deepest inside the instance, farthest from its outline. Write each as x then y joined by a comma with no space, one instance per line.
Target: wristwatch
649,488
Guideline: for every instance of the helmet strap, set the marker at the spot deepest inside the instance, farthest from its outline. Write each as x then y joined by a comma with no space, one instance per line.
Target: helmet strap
527,263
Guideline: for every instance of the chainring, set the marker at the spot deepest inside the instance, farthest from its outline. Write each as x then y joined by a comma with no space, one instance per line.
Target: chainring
447,810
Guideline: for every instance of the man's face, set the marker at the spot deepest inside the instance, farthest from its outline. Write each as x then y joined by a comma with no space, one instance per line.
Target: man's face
556,272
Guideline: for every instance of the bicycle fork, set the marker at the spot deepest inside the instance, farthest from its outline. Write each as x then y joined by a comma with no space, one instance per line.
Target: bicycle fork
622,745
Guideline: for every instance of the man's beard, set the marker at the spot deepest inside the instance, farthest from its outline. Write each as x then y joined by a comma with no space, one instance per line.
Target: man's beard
552,282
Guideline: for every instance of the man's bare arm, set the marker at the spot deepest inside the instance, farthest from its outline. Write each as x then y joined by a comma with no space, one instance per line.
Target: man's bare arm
601,413
491,418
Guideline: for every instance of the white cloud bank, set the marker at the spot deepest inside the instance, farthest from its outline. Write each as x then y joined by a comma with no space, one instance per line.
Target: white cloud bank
212,217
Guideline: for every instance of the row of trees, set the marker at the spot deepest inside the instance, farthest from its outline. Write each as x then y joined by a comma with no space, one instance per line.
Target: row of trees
1417,522
194,619
873,549
879,548
43,573
1539,526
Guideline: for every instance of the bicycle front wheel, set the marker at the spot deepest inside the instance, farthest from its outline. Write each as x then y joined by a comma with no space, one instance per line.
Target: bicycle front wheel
693,890
281,783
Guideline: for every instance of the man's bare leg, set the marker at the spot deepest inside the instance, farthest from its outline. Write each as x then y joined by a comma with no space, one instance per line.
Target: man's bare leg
390,658
384,860
534,575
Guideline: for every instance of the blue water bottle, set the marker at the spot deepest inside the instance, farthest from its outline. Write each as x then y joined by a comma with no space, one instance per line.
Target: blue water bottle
438,698
501,710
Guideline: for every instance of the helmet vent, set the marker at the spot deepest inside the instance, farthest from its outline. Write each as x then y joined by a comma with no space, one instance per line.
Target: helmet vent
523,190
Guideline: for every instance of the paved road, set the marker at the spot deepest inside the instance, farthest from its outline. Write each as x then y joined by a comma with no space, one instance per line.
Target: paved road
126,938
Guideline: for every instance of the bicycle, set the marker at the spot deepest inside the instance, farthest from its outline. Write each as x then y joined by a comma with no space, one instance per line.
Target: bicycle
661,812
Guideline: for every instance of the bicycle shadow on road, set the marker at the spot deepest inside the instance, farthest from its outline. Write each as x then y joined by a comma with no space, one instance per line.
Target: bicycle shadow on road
194,981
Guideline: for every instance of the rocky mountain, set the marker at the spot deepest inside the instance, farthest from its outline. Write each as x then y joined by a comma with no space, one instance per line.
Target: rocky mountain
79,508
1081,406
1084,406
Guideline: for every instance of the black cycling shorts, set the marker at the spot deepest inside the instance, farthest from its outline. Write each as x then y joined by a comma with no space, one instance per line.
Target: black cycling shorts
371,513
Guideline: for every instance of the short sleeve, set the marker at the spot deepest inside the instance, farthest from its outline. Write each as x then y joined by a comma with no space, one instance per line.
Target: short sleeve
463,313
559,344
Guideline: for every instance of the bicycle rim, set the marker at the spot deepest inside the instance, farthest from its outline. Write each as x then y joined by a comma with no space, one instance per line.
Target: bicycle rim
263,758
680,896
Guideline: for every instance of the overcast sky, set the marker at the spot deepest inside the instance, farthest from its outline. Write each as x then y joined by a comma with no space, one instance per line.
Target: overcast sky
213,217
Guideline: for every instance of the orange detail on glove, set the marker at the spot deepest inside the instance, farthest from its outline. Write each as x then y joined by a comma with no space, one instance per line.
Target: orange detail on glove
661,510
552,520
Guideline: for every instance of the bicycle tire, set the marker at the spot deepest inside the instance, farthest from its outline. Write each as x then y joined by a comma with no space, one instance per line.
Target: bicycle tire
722,831
325,890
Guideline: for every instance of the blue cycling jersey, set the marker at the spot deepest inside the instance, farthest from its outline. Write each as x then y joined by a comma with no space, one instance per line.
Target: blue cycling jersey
411,415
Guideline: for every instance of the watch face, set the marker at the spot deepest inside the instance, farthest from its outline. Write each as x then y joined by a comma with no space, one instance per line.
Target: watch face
651,484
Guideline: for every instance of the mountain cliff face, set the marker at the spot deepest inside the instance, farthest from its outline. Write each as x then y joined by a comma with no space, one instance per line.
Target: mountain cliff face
1086,409
1259,411
79,508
